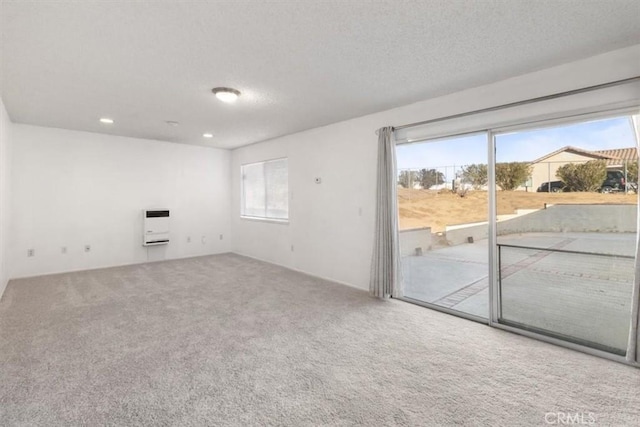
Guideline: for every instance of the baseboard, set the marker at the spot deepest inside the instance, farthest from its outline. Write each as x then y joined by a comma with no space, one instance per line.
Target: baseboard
350,285
76,270
3,287
328,279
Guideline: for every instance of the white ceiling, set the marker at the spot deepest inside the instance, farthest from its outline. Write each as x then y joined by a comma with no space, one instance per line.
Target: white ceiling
299,64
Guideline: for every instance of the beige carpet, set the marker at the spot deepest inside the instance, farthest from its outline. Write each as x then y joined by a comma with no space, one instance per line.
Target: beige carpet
226,340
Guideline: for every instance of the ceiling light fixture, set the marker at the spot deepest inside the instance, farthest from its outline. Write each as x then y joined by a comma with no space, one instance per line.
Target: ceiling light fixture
207,135
106,121
226,94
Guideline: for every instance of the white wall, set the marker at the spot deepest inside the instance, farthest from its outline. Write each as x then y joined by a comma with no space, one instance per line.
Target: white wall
332,223
75,188
72,188
5,195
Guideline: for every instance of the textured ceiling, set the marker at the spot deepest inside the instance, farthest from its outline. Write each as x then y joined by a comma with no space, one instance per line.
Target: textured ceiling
299,64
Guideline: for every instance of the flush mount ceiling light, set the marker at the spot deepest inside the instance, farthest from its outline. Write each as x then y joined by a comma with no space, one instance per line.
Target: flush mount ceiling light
226,94
106,121
207,135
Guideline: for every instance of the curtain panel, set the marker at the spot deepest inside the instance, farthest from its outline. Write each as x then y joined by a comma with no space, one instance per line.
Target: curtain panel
386,273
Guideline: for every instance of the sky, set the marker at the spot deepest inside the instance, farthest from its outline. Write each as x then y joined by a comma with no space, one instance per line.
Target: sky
519,146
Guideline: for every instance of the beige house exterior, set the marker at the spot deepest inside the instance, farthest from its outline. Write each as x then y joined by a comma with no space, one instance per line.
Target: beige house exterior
545,168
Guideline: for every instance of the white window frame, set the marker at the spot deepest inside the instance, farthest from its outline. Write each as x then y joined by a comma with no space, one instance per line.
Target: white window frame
265,218
523,124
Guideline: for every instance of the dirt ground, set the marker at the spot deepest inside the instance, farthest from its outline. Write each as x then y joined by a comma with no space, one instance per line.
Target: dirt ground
436,209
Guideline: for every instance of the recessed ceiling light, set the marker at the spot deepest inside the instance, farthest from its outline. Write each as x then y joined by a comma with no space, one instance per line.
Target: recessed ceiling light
226,94
106,121
207,135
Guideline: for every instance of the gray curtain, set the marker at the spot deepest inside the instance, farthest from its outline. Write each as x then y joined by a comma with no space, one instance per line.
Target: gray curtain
633,348
386,274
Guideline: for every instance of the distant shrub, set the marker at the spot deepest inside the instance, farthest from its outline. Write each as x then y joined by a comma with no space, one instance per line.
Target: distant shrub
462,191
430,177
476,175
512,175
407,178
632,171
587,176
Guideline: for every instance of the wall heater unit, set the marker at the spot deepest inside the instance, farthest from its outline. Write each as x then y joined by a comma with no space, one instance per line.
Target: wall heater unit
156,227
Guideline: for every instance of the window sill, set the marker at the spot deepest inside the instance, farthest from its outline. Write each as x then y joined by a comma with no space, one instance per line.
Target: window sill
260,219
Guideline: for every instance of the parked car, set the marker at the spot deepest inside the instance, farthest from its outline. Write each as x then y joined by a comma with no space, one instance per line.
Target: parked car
551,187
614,182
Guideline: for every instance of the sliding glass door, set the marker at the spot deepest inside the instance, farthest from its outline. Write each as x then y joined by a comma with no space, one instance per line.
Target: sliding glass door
443,201
566,230
530,229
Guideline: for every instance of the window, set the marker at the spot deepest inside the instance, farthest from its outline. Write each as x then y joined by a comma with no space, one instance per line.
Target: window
443,209
540,237
265,190
567,244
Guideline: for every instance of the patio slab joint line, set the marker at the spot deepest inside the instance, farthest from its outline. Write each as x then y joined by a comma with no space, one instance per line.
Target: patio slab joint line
473,288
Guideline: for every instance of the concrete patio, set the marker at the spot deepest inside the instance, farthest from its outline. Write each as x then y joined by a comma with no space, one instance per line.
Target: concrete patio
579,296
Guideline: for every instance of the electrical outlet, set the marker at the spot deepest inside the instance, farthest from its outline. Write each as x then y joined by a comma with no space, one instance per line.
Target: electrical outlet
63,250
221,237
188,239
31,252
87,248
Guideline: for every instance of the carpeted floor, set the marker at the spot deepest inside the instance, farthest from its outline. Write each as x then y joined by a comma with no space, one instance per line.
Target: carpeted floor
227,340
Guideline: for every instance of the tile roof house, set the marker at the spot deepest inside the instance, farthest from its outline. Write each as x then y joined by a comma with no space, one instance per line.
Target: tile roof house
619,156
545,168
